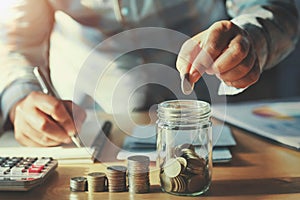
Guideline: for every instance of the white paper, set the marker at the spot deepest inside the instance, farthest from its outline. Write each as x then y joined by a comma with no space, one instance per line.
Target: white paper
283,128
59,152
67,154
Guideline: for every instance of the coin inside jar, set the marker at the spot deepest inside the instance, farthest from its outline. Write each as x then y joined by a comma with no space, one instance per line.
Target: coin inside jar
184,143
172,168
166,182
196,183
182,161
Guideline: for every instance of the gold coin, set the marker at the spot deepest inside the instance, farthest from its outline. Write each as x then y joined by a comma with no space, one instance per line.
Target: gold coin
172,168
139,159
117,168
180,184
187,146
182,161
166,182
196,183
96,175
188,153
78,184
138,174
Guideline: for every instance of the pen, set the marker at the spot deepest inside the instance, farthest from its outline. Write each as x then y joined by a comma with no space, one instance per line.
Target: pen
48,89
99,141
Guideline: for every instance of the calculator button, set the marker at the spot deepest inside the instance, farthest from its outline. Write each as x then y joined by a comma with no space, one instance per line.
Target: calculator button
26,163
30,159
16,159
7,165
38,165
4,158
20,165
41,167
11,162
35,169
4,170
17,170
42,161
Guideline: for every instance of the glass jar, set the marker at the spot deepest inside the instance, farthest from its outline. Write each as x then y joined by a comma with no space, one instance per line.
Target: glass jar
184,146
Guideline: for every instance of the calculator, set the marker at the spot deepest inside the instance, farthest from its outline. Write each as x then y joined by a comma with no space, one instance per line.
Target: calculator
24,173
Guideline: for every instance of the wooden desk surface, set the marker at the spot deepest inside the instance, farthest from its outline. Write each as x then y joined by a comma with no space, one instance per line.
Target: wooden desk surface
259,170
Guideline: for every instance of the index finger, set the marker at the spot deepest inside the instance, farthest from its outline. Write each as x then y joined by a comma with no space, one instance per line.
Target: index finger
186,56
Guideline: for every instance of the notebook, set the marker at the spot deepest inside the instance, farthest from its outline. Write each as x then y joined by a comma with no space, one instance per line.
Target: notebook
65,154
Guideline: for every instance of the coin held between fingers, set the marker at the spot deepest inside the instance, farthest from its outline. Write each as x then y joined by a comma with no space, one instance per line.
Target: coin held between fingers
186,86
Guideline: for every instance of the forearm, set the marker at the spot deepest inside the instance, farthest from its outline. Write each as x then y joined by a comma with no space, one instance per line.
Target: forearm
13,94
272,25
23,44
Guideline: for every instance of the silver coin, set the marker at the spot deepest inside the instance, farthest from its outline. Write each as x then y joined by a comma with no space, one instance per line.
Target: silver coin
118,168
186,86
116,176
78,184
96,182
138,174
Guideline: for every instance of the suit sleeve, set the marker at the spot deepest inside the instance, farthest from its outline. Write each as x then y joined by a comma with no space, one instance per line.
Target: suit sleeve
272,24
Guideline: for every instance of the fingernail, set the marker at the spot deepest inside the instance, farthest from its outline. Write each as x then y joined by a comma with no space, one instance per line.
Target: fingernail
71,133
228,83
67,140
210,71
194,76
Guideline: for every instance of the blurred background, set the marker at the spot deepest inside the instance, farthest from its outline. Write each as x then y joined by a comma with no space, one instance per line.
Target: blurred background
281,81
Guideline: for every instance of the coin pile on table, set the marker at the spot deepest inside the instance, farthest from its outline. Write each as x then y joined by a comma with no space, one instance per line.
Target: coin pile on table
187,173
138,174
96,182
78,184
116,176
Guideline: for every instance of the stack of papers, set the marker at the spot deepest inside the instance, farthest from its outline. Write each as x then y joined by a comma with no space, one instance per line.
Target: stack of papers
278,120
64,155
143,142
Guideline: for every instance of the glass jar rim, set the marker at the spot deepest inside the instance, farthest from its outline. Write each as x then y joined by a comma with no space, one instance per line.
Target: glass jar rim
185,104
191,109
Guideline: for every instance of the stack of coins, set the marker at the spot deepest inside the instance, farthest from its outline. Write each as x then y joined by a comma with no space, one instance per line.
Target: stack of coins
96,182
187,173
78,184
138,174
116,176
